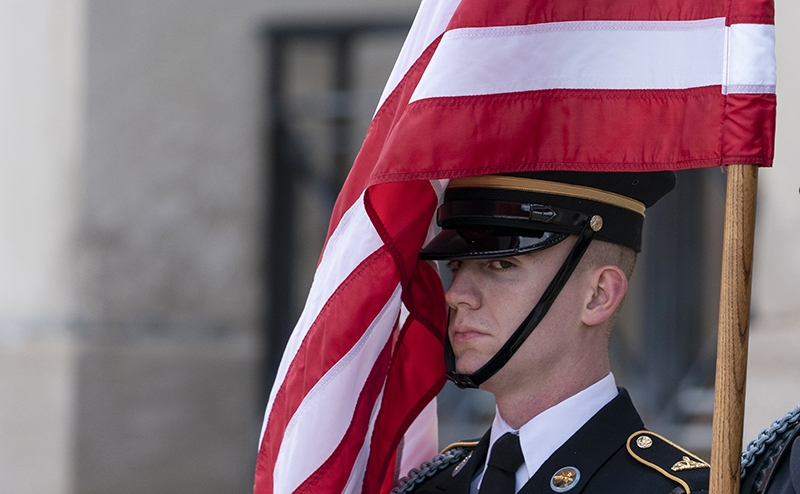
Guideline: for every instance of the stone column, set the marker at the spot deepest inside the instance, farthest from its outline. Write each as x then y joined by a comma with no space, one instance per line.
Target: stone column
41,125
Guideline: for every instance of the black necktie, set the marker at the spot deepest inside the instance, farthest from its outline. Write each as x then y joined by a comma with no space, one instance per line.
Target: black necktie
506,458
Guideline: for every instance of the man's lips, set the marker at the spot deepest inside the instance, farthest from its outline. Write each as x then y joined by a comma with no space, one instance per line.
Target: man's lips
465,333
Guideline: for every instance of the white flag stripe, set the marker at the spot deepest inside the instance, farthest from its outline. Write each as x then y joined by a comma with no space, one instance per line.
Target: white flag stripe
404,313
356,479
431,20
318,419
354,239
439,186
572,55
417,444
751,59
584,55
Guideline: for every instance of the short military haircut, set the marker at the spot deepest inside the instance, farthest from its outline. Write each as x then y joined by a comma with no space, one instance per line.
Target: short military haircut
602,253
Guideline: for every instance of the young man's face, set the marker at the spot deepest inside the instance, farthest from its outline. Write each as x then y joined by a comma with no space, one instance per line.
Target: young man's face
488,300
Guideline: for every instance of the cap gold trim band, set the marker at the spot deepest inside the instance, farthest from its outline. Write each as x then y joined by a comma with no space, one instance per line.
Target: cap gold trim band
547,187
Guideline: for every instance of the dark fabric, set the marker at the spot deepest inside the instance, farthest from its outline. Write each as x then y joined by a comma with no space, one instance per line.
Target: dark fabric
786,477
597,450
505,459
794,465
777,469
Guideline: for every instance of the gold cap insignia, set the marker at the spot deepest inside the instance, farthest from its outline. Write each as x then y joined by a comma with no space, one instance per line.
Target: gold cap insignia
565,479
596,223
644,442
688,464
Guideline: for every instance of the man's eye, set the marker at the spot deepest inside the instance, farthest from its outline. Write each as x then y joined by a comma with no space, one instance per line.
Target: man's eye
500,264
453,266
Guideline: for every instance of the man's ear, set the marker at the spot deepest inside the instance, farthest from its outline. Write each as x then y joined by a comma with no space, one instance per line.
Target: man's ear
609,285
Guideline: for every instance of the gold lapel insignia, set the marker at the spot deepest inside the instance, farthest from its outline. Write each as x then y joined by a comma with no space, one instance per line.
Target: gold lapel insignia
688,464
565,479
461,465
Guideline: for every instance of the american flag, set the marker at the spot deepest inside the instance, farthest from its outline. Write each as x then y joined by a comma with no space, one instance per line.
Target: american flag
490,87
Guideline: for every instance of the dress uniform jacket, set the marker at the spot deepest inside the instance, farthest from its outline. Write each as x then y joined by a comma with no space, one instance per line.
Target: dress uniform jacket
611,453
776,470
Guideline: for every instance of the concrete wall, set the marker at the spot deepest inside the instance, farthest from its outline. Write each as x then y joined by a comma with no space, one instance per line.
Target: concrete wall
168,277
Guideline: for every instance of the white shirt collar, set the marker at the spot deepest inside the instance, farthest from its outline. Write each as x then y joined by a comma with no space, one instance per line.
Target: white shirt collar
541,436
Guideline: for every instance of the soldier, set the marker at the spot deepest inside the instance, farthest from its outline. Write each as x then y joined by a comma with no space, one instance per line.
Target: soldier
771,462
569,241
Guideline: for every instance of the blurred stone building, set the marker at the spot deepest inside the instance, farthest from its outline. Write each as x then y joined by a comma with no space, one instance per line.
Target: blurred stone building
142,301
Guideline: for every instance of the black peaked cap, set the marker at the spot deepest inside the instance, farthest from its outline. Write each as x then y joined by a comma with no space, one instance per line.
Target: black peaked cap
512,214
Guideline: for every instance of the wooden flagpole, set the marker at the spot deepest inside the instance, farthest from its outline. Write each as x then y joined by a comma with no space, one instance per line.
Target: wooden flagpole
732,338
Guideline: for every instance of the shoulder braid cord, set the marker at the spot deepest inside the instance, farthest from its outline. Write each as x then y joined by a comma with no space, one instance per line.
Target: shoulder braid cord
778,430
428,469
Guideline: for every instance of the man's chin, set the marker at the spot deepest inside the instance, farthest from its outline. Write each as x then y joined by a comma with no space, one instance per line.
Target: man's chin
469,364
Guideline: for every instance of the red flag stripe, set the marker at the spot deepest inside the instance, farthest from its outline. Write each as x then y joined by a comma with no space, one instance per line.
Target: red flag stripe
477,13
328,477
419,351
378,132
748,128
403,245
321,418
416,446
337,330
347,248
300,378
430,22
583,130
400,213
751,11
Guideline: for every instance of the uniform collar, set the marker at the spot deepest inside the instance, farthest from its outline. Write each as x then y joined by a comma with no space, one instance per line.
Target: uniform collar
541,436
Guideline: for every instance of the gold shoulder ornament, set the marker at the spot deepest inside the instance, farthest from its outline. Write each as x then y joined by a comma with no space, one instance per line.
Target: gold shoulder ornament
688,464
665,457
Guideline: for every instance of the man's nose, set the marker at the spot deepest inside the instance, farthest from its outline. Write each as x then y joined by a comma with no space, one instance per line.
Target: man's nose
463,292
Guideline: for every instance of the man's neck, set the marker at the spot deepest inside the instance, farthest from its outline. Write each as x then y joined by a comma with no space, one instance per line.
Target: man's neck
520,406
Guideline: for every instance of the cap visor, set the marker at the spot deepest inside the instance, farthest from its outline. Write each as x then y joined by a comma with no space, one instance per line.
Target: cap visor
472,244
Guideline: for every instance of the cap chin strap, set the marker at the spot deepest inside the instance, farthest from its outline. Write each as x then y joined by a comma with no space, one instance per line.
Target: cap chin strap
533,319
